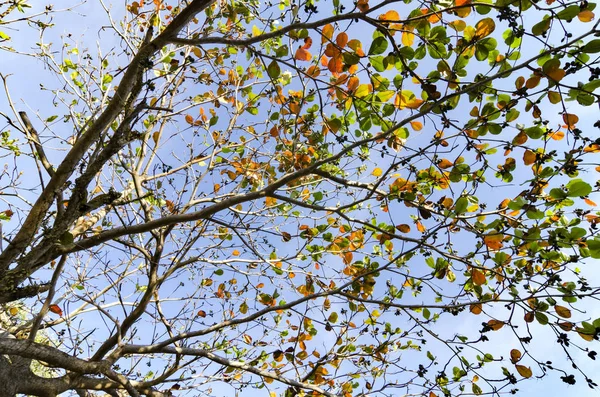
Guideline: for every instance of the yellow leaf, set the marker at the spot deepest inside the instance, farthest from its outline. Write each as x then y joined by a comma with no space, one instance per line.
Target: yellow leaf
408,38
390,16
377,172
416,125
585,16
484,28
235,253
524,371
247,338
554,97
459,25
562,311
13,311
256,31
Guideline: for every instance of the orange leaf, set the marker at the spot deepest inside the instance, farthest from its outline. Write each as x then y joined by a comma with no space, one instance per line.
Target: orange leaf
235,253
363,5
529,157
445,163
476,308
201,313
313,71
585,16
493,241
495,325
341,39
302,55
307,43
557,135
478,277
56,309
327,33
189,119
589,202
420,227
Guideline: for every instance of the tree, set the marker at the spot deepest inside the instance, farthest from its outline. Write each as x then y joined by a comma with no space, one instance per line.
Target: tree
319,198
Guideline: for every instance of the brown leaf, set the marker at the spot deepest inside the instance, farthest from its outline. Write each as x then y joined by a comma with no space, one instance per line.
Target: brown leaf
495,325
515,355
562,311
476,308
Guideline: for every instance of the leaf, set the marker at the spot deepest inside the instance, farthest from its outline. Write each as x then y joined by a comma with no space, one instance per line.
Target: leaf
342,39
363,5
390,16
570,119
524,371
247,338
592,47
403,228
586,16
377,172
327,33
562,311
416,125
445,163
478,277
484,28
201,313
476,308
56,309
515,356
378,46
578,188
13,311
495,325
529,157
408,38
273,70
302,55
494,241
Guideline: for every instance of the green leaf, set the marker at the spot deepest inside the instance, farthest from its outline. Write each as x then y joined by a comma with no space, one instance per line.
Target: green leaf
592,47
569,12
578,188
378,46
273,70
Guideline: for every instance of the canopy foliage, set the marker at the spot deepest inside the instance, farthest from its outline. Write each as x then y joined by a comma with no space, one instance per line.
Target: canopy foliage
325,198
